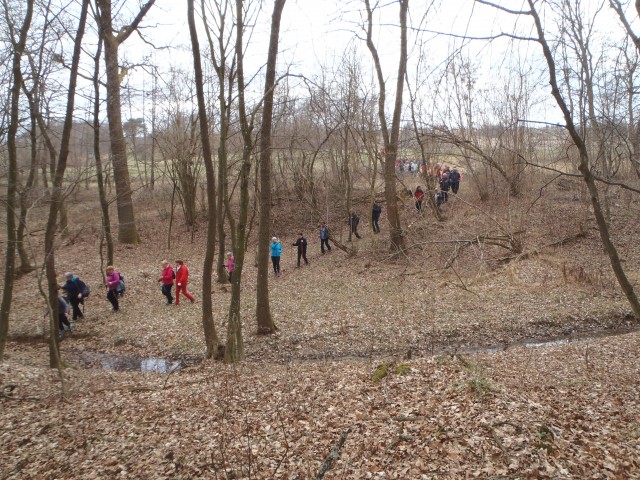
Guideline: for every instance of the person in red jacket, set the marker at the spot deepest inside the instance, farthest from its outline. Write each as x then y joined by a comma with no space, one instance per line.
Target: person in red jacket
166,278
182,277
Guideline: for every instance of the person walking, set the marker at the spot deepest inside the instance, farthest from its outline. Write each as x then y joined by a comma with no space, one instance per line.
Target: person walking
324,238
454,180
111,284
444,186
73,286
375,216
167,277
419,195
230,265
63,316
301,243
354,220
276,251
182,278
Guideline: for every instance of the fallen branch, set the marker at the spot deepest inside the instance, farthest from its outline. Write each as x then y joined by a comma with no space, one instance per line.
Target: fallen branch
335,452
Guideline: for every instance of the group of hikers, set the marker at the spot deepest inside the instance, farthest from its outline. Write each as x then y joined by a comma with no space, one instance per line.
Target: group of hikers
447,178
77,291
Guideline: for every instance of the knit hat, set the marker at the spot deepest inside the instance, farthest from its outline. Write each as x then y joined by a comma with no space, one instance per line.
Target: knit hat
68,274
274,239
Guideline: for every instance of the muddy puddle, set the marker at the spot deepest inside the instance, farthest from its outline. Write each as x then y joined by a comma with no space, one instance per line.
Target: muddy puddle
122,363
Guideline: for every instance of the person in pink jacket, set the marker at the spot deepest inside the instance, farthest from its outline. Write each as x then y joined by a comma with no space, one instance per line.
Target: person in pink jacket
166,277
230,265
182,277
111,284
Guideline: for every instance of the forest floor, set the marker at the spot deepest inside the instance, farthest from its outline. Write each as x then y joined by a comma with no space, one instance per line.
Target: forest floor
462,359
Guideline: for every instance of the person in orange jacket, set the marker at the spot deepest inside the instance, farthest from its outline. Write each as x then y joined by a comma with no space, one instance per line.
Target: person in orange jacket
182,278
166,277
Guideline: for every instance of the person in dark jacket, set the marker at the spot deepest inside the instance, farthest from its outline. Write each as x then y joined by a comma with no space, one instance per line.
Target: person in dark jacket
375,216
454,180
63,315
73,289
444,186
354,220
301,243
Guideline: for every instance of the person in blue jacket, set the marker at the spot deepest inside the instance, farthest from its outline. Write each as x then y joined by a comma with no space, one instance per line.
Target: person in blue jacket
276,251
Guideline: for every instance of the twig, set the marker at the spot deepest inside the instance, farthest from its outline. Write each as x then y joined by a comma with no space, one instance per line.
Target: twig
177,367
335,451
498,442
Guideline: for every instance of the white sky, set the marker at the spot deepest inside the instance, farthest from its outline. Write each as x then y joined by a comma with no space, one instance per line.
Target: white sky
316,32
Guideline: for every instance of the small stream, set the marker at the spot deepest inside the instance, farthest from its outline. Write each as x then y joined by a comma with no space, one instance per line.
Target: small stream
124,363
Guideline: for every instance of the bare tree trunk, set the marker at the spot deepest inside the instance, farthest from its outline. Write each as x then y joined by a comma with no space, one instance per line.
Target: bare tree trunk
391,138
585,169
127,232
12,178
56,194
25,261
234,349
210,334
263,309
104,204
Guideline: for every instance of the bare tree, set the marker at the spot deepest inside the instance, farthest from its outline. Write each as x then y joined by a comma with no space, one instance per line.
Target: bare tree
12,174
578,139
390,136
127,232
263,309
210,334
57,194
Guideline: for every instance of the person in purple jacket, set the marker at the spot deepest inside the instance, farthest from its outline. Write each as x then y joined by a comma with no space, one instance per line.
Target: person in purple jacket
113,278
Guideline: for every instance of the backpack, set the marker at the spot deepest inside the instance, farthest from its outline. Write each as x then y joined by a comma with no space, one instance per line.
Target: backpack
121,287
84,288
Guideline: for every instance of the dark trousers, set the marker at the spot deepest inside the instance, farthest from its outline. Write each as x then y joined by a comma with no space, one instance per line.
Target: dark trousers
323,242
302,254
112,296
62,321
419,205
374,224
455,187
166,291
276,264
75,307
354,230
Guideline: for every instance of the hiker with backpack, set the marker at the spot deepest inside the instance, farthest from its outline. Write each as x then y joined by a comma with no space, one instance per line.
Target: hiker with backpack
112,284
76,291
182,278
166,277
